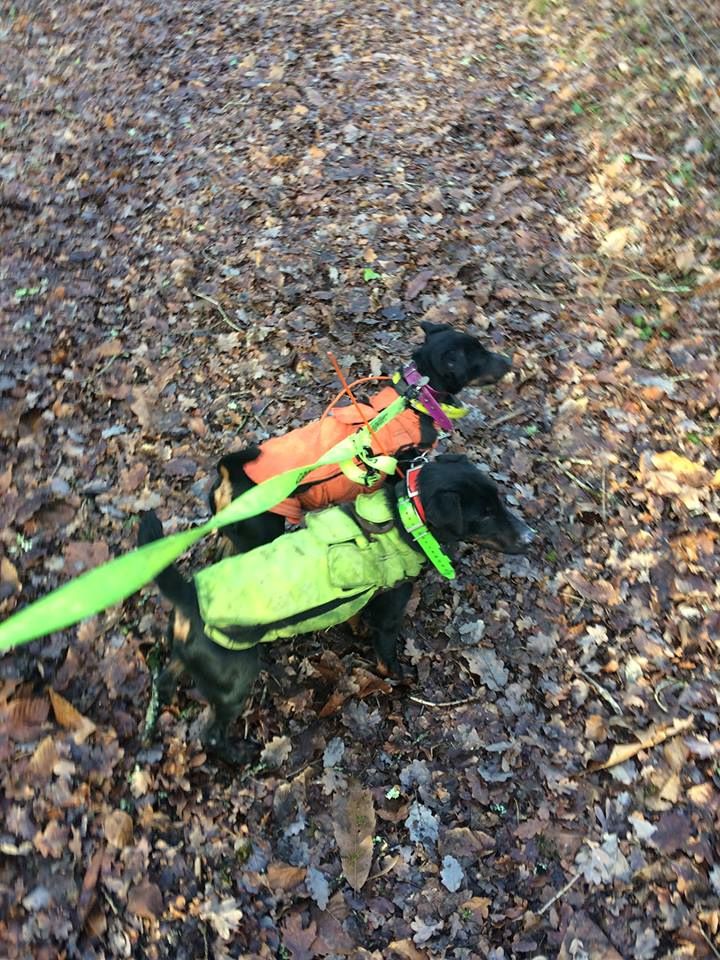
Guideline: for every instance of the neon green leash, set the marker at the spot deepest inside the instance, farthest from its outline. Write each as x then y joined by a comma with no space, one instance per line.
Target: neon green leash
423,538
116,580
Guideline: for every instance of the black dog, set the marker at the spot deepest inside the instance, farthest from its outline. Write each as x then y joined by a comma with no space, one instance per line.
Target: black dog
449,360
453,498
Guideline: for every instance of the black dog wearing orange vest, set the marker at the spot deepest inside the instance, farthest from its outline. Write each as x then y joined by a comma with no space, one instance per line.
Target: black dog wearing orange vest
448,361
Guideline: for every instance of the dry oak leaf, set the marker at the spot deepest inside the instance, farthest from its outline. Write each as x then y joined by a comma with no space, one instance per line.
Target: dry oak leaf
596,591
43,759
86,900
407,950
70,718
669,474
625,751
52,841
615,241
354,822
283,876
118,828
145,900
298,942
225,915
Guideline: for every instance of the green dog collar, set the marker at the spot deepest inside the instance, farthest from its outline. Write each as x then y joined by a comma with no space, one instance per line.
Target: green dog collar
424,539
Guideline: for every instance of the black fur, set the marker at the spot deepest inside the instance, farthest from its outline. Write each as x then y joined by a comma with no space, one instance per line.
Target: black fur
460,503
450,360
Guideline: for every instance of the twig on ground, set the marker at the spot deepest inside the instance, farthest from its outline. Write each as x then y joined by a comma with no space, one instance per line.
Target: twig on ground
505,418
563,890
663,685
219,308
604,494
445,703
708,941
602,692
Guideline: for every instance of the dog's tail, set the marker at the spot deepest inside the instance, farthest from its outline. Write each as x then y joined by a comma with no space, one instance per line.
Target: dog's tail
179,591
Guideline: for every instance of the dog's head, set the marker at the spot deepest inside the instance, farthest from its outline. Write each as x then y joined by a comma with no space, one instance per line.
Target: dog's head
452,360
462,503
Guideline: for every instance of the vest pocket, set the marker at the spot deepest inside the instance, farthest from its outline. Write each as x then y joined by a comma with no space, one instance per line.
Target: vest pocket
349,567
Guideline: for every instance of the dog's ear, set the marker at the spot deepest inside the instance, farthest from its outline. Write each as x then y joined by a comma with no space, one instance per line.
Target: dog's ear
447,517
432,328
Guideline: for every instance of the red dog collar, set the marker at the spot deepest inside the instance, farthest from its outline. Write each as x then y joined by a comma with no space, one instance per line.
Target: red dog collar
411,483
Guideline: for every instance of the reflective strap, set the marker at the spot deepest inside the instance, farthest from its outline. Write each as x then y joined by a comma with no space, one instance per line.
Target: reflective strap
424,539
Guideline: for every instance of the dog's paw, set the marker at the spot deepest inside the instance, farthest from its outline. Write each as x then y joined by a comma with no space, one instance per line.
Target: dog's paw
150,528
394,670
233,755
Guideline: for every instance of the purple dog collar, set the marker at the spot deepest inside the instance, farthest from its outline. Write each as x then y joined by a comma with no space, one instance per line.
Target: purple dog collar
427,396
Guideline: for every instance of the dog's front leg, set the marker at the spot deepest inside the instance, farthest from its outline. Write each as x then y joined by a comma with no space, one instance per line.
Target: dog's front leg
384,615
233,681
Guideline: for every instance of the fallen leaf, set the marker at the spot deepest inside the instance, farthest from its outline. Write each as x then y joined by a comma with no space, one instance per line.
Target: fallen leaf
354,823
283,876
615,241
276,752
625,751
224,915
407,950
418,284
118,827
43,759
298,941
145,900
86,900
70,718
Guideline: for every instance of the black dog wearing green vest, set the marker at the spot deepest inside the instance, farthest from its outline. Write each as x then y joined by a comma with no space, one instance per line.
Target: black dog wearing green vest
356,557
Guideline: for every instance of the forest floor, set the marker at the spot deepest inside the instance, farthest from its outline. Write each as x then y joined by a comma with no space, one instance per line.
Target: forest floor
198,201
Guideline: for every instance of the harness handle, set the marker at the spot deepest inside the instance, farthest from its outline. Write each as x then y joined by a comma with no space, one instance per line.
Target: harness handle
346,389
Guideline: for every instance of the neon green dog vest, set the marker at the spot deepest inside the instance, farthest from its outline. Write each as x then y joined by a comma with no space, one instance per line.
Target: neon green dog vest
308,580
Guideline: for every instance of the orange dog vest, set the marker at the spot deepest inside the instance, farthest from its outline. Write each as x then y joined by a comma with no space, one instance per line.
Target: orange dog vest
309,443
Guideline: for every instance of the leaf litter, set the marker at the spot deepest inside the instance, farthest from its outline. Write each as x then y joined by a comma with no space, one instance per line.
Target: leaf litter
196,207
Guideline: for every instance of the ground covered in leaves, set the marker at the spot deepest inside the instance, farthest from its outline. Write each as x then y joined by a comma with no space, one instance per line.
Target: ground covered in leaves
198,201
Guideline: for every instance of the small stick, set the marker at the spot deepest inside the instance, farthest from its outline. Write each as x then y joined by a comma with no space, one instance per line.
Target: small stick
445,703
708,941
505,417
604,494
574,879
219,308
602,692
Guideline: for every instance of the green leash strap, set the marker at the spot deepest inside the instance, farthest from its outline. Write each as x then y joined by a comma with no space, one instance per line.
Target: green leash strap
116,580
424,539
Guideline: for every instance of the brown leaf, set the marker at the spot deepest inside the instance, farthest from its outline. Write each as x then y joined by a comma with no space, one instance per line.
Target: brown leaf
145,900
82,555
86,899
354,822
704,795
625,751
418,284
70,718
118,828
335,701
672,832
282,876
24,715
595,944
52,841
43,759
597,591
479,907
407,950
298,942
